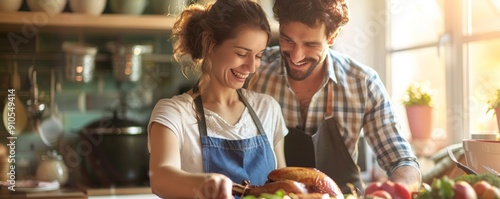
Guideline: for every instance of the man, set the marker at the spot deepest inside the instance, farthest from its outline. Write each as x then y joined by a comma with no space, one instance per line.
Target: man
328,100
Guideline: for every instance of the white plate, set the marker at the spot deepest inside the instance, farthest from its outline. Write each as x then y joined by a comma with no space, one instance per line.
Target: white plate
28,186
37,189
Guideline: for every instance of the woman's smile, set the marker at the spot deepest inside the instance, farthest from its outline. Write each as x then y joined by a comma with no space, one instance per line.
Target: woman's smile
239,75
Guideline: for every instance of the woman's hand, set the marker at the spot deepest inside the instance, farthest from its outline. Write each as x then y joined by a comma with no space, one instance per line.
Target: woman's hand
215,186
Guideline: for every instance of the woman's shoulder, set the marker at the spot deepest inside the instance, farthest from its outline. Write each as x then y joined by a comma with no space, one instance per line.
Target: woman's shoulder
178,101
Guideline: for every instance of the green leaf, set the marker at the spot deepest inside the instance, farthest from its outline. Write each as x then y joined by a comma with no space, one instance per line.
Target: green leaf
270,196
447,191
424,195
494,101
418,94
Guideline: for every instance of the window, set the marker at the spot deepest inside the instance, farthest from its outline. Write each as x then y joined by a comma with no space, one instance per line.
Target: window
455,45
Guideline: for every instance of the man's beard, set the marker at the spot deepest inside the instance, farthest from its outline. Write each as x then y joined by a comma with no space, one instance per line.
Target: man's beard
296,74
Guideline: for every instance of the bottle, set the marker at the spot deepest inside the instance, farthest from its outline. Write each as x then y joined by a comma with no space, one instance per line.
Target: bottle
52,168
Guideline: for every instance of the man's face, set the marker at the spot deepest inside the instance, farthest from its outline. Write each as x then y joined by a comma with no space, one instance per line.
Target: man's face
303,49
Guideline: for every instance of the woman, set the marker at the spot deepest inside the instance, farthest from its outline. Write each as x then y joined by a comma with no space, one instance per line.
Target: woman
217,133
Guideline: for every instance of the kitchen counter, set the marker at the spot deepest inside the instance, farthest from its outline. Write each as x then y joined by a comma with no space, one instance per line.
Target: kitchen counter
131,196
63,193
124,192
91,193
118,191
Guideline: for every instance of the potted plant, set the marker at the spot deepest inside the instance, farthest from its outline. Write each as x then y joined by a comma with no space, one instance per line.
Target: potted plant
494,104
418,104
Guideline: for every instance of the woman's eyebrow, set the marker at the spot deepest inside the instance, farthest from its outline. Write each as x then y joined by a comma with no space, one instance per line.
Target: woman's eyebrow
241,47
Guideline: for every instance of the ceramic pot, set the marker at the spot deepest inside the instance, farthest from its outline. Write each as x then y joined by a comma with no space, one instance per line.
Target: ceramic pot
10,5
497,111
48,6
89,7
168,7
130,7
420,121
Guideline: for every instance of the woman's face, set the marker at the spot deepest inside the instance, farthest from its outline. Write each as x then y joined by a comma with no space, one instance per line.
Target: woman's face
235,59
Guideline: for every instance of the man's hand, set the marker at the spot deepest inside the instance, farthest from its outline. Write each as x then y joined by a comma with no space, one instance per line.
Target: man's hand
408,176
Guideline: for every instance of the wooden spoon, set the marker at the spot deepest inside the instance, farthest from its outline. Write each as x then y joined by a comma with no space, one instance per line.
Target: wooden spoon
20,118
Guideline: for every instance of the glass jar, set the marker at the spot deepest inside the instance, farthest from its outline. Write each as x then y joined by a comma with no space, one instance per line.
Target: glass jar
52,168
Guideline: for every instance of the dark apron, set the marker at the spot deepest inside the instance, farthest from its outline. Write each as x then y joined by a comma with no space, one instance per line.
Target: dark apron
248,159
324,150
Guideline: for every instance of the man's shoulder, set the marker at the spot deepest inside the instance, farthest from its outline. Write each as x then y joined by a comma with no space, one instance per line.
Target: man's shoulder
350,66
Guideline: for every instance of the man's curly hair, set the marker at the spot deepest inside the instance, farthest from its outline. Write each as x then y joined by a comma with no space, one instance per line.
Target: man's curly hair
332,13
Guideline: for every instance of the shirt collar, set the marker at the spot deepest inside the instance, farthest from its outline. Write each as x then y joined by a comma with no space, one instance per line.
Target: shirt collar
330,71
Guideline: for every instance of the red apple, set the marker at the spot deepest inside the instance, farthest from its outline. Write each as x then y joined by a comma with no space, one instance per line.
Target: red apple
464,190
480,187
397,191
389,187
380,194
372,188
491,193
402,191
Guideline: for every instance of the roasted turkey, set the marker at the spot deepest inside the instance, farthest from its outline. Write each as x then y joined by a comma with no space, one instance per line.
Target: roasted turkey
297,180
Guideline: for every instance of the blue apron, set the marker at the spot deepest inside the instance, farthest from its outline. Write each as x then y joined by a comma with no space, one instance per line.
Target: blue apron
249,159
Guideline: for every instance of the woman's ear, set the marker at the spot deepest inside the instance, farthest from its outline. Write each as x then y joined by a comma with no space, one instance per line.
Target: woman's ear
207,43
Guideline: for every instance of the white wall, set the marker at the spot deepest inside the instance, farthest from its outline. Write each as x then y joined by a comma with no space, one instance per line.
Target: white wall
363,38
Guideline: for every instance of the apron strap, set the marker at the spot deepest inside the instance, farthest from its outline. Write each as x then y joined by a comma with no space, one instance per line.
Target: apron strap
329,99
252,113
202,125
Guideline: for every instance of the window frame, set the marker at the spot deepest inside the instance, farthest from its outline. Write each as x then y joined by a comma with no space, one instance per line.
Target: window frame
455,41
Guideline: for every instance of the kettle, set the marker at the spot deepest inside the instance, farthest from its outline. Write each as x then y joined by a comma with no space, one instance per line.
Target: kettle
52,168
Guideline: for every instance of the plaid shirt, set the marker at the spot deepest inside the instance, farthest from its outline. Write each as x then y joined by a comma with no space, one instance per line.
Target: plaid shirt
360,105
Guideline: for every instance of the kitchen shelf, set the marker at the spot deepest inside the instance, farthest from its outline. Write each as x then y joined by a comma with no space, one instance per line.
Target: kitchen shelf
113,24
100,57
80,23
